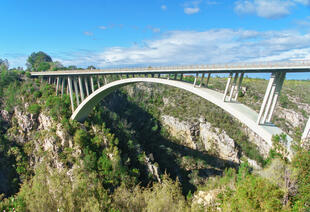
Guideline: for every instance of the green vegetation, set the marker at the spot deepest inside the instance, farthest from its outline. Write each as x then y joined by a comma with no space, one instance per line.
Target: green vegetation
103,164
39,61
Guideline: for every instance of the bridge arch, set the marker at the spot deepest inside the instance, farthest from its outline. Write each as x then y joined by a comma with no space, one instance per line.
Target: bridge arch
241,112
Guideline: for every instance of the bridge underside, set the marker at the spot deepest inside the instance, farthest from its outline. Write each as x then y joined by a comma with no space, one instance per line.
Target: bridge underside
241,112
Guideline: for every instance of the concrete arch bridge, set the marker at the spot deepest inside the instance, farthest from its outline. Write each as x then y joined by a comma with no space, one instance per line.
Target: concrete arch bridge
82,83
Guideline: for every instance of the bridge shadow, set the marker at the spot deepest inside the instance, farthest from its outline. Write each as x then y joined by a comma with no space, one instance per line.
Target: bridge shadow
132,125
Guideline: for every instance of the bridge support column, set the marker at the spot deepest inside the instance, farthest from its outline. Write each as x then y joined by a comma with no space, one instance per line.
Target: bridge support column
181,78
105,80
195,80
158,75
57,85
208,79
76,91
71,92
233,87
62,85
92,84
307,130
49,80
81,89
202,77
175,76
278,88
86,85
227,86
239,86
98,81
271,96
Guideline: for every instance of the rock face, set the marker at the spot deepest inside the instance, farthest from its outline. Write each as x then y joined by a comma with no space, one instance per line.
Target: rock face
212,139
5,115
26,121
264,147
54,137
206,198
152,168
294,118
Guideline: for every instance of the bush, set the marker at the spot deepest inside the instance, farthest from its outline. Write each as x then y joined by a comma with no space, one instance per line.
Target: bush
34,109
301,164
81,138
255,194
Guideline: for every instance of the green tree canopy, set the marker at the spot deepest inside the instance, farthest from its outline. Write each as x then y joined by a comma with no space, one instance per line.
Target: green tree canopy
43,66
4,64
91,67
72,67
35,60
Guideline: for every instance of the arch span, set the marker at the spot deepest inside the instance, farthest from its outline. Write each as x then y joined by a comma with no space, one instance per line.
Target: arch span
243,113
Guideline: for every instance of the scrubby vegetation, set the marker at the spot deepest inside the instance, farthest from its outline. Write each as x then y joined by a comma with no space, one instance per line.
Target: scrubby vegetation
103,164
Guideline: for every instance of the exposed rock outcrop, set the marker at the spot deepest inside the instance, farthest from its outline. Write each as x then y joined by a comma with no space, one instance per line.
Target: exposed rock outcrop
26,121
213,139
5,115
206,198
294,118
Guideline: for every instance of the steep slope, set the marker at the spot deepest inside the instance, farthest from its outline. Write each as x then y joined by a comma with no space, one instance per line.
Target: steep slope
145,147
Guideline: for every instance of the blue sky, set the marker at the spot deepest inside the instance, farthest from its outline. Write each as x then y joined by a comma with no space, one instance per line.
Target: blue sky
108,33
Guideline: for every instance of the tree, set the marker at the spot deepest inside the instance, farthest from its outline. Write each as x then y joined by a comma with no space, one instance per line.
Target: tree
36,58
4,64
72,67
91,67
43,66
57,66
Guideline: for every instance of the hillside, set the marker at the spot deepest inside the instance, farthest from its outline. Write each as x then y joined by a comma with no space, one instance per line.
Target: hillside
147,147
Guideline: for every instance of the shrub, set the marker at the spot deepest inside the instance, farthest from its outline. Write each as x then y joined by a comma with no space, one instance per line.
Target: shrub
252,193
81,137
301,164
34,109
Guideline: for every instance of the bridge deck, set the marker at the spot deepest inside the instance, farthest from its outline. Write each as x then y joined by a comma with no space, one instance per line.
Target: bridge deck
223,68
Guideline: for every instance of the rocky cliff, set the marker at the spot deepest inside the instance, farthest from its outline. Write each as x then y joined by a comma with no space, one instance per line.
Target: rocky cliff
203,137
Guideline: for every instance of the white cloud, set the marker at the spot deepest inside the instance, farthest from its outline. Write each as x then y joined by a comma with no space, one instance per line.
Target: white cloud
207,47
163,7
304,2
153,29
103,27
191,7
191,10
89,33
16,60
156,30
272,9
305,23
210,2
